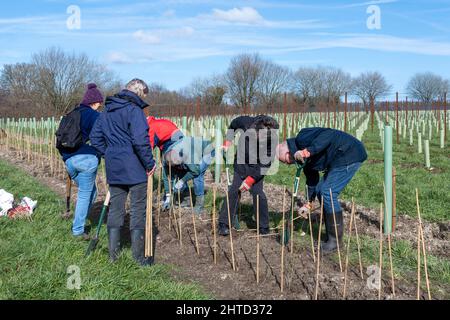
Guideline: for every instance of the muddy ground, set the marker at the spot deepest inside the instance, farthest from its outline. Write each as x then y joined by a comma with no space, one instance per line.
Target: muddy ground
299,270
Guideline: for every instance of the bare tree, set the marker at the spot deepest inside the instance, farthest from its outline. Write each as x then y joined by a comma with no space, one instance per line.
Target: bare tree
370,86
321,85
426,87
242,79
272,82
210,90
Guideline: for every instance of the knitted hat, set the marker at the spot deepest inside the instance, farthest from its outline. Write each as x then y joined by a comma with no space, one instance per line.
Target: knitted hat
92,95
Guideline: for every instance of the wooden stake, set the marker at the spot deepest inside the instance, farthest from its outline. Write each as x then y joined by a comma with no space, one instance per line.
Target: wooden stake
391,265
348,251
231,233
423,246
179,220
418,261
257,238
282,243
318,252
358,244
336,231
214,226
193,222
149,219
310,229
381,251
159,193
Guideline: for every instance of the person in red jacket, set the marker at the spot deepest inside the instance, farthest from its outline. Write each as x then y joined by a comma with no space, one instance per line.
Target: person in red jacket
164,134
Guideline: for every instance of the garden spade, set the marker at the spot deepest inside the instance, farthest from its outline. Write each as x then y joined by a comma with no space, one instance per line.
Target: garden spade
94,240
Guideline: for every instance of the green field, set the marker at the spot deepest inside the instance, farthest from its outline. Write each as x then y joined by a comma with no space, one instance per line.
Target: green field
36,257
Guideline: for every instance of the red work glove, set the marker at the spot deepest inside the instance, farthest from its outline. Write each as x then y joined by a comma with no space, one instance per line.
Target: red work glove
226,145
247,184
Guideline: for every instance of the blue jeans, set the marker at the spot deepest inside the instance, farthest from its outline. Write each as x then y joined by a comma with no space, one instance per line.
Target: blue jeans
83,170
335,179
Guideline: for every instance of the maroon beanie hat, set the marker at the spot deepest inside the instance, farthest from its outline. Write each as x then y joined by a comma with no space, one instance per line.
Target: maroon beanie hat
92,95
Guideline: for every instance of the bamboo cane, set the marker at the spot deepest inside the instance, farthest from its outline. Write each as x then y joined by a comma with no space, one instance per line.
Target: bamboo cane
318,251
310,228
358,245
423,246
391,265
180,232
149,219
418,261
257,238
193,223
348,251
381,252
159,194
214,226
336,231
231,233
282,243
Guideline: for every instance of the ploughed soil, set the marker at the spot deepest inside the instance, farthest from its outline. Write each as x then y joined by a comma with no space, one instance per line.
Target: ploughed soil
299,266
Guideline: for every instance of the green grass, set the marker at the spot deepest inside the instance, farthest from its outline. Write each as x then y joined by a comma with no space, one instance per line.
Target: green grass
35,256
367,185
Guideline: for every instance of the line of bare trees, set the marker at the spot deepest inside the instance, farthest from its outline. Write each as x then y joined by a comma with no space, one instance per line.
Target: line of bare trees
54,81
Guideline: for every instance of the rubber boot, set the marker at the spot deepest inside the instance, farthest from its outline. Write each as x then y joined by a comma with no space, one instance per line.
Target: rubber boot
138,248
332,239
223,229
199,204
114,243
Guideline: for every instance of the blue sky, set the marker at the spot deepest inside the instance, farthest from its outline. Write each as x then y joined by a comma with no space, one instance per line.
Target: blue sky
173,41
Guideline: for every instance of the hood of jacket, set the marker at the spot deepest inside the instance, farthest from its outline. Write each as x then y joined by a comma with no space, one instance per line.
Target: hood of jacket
124,99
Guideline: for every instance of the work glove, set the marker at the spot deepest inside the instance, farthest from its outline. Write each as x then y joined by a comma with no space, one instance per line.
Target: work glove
305,210
151,171
226,145
178,186
247,184
301,155
166,204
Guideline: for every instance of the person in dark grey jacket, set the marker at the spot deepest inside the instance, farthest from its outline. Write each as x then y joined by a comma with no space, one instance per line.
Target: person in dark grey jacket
254,157
121,136
339,155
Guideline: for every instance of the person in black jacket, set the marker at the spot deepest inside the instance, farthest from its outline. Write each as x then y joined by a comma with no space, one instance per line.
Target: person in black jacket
255,155
339,155
82,163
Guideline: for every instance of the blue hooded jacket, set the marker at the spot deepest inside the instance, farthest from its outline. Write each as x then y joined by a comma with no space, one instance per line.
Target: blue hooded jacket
121,136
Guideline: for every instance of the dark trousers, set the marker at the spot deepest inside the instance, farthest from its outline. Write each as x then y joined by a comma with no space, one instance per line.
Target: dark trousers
233,197
138,205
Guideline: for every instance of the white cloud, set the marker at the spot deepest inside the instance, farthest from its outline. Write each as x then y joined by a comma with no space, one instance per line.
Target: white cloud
118,58
245,15
147,37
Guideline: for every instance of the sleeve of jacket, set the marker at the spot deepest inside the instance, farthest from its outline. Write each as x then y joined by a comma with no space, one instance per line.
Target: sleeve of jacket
312,180
321,142
97,138
139,136
193,171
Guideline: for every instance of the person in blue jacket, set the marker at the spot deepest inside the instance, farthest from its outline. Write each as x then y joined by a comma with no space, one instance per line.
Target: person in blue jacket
82,163
339,155
121,136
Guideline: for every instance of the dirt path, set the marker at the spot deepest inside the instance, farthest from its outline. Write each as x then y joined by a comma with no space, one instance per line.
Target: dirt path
300,268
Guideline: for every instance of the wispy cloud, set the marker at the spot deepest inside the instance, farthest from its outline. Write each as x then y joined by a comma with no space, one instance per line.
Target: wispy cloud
240,15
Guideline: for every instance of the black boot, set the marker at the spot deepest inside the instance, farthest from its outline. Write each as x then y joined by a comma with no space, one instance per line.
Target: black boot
114,243
332,239
264,231
223,229
138,248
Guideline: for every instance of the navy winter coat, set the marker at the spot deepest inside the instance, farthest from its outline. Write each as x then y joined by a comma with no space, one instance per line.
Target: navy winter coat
88,118
329,148
121,136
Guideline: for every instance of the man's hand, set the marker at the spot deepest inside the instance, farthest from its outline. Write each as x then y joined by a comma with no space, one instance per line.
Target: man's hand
301,155
178,186
247,184
152,171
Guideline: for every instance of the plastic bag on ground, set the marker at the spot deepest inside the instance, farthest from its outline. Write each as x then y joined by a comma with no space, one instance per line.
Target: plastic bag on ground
6,202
